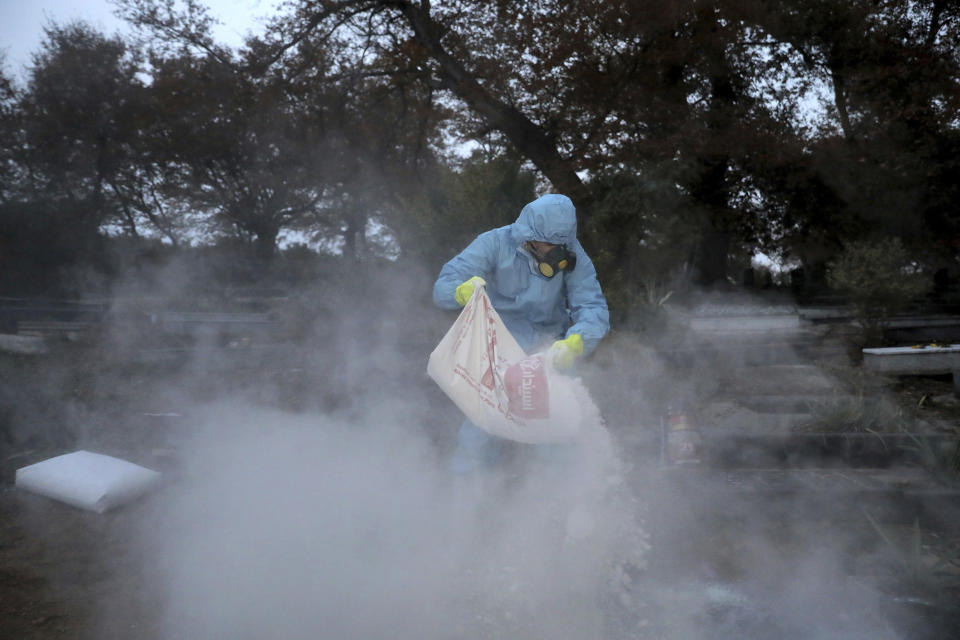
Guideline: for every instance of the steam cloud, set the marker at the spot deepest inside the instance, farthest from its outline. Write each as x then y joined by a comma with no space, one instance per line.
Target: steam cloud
302,525
292,527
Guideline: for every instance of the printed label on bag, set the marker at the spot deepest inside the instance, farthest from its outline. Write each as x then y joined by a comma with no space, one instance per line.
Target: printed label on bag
489,379
526,383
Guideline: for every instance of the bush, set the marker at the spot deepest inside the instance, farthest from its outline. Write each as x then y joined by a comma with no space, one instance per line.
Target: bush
880,279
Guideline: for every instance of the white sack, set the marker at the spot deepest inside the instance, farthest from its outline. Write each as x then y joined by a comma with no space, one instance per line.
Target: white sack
88,480
470,364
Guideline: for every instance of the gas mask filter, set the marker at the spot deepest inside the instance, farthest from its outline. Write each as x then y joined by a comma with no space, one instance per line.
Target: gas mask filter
557,259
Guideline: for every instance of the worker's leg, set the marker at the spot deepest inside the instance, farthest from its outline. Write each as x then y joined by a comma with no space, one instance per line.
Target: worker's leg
476,449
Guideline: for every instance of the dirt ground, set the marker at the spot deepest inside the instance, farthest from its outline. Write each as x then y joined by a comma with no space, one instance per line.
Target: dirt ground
66,572
60,567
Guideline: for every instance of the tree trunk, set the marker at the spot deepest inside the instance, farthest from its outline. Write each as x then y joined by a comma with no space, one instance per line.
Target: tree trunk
354,237
840,99
711,193
713,252
712,189
265,243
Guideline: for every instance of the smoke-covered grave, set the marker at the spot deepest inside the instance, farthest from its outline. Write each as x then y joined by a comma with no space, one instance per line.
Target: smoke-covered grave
813,487
783,528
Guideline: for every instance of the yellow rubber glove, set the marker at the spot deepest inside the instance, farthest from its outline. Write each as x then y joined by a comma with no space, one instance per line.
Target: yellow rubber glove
465,290
567,350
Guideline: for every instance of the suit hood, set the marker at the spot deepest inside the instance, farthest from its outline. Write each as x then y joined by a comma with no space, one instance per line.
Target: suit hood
551,218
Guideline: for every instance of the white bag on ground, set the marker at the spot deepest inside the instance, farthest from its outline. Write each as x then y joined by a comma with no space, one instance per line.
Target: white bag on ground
496,385
91,481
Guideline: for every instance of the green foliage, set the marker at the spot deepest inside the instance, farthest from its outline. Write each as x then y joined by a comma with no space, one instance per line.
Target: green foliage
640,236
41,240
80,122
10,135
237,149
857,412
452,206
940,458
880,279
917,561
681,133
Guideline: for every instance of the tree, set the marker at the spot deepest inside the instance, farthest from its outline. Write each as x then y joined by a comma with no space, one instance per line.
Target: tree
890,164
880,278
10,137
454,204
351,139
236,148
703,97
610,86
78,124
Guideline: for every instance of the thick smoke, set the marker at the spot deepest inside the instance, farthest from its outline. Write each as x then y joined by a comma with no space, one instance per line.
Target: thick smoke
342,519
301,527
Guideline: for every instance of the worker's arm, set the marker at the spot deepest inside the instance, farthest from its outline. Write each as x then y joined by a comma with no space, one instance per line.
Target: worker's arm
476,260
588,306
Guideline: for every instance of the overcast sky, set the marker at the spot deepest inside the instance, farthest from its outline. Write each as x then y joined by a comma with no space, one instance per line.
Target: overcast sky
22,22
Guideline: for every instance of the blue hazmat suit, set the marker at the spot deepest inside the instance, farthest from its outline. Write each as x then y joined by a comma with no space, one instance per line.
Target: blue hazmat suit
535,309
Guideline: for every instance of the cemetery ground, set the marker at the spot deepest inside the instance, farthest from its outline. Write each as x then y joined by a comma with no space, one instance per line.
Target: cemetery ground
759,395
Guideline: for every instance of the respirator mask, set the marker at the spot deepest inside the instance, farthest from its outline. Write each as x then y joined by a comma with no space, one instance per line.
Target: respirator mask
558,258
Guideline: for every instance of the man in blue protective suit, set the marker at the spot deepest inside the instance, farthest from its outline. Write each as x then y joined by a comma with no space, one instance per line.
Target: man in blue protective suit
545,289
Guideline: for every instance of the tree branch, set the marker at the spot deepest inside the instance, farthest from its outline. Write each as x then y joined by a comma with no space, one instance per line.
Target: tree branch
530,139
